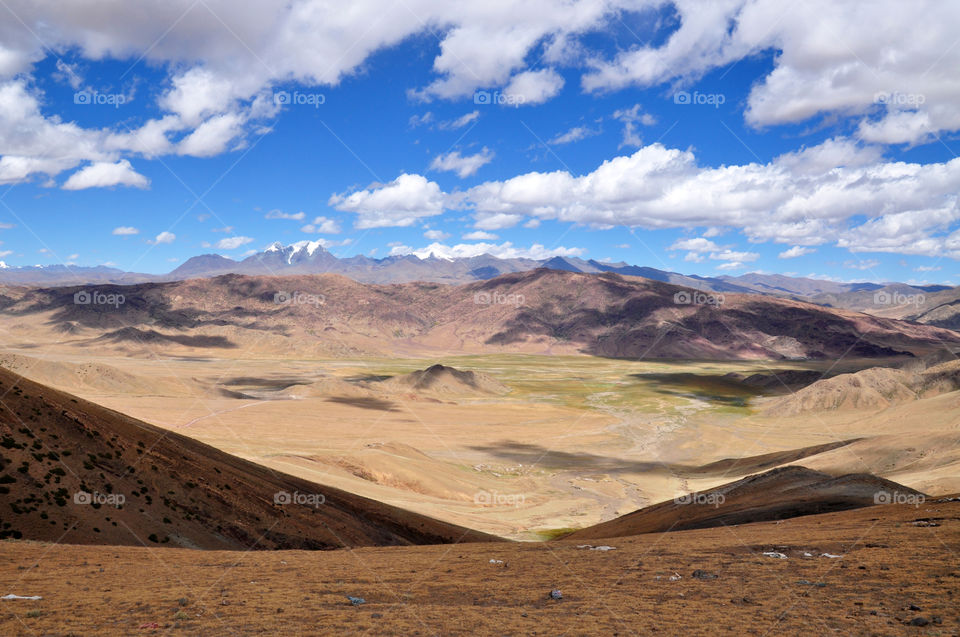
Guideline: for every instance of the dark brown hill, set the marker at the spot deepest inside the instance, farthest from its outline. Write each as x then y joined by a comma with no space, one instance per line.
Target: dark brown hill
66,464
778,494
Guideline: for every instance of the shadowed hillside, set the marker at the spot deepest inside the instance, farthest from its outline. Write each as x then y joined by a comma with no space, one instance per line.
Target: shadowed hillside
542,311
72,471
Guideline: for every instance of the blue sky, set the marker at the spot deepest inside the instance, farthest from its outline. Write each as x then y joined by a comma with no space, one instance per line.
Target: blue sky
635,131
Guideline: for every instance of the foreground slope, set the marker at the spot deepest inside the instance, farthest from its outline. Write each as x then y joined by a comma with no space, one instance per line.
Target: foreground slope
542,311
781,493
887,567
75,472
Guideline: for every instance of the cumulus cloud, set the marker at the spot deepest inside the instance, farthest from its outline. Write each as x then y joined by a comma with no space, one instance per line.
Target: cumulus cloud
232,243
795,251
223,65
479,235
894,73
322,225
164,237
797,199
533,87
436,235
463,165
402,202
102,174
505,250
895,69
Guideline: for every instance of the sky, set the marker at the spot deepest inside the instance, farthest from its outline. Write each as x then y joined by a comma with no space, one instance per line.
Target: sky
809,139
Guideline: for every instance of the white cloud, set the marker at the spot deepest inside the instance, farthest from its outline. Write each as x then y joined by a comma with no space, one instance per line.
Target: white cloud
533,87
730,255
399,203
460,122
479,235
633,117
125,231
575,134
731,265
436,235
795,251
865,264
322,225
893,64
213,136
927,268
888,64
463,165
103,174
232,243
420,120
279,214
698,244
504,250
164,237
797,199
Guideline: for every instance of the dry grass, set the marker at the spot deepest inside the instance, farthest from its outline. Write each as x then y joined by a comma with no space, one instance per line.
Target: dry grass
889,563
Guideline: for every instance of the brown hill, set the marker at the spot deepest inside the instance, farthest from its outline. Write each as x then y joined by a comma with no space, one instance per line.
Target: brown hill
445,381
781,493
542,311
869,389
72,471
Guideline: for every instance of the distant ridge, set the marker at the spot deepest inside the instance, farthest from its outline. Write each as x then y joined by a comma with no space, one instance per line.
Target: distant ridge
311,257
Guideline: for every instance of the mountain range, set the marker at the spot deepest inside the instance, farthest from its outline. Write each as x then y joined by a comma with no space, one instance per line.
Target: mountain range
310,257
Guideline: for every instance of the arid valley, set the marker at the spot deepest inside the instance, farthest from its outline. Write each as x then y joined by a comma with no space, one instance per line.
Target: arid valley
553,317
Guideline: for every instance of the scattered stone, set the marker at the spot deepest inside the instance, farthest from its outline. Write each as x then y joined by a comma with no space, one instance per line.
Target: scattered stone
496,562
913,607
831,556
918,621
376,616
356,601
556,594
775,554
597,548
700,574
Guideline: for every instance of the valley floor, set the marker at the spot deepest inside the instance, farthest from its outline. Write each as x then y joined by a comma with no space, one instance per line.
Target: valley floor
887,566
